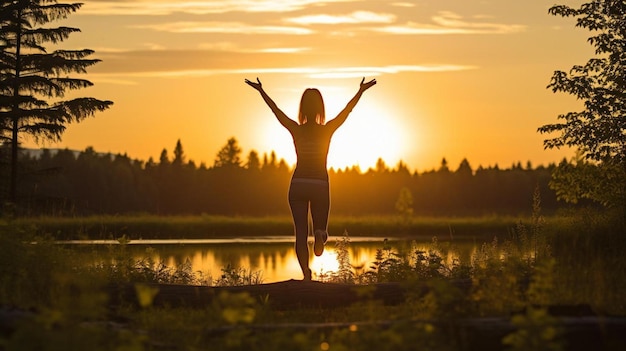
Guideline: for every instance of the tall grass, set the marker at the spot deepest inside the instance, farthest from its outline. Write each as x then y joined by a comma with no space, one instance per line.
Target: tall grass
210,226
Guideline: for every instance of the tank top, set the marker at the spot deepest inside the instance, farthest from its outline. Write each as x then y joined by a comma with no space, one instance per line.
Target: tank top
312,142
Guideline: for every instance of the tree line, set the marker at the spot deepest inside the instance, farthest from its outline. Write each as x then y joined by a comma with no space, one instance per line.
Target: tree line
66,182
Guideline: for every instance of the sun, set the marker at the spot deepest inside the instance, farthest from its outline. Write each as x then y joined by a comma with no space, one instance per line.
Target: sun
371,132
326,263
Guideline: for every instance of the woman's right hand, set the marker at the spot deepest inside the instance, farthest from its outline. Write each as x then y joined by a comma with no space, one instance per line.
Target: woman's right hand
258,86
366,85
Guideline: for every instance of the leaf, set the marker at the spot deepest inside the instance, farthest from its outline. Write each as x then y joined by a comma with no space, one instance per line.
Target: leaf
145,294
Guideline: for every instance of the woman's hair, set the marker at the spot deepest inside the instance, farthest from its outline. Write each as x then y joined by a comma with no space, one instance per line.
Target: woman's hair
312,107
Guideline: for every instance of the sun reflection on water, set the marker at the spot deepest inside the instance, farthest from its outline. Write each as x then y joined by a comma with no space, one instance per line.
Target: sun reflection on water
326,263
274,264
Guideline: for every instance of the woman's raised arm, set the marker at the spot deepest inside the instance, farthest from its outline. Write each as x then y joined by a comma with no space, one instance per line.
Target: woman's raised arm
343,115
280,115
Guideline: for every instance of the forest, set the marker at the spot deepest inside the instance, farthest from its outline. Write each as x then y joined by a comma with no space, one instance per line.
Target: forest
66,182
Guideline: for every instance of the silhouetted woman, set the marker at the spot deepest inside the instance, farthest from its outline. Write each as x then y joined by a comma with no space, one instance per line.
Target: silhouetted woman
309,183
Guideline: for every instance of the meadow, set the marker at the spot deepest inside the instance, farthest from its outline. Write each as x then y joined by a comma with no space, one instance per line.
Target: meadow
522,269
147,226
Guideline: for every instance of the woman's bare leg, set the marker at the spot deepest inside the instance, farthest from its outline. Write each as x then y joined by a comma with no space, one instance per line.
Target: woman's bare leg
320,208
300,213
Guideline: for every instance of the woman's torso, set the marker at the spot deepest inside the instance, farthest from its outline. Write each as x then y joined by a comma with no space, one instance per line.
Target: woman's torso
311,142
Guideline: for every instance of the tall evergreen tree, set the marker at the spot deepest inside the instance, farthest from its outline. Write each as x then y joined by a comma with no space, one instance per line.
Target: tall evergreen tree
164,159
179,155
254,163
229,155
33,81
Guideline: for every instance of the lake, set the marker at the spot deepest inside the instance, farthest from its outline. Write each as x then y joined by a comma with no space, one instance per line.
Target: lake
273,257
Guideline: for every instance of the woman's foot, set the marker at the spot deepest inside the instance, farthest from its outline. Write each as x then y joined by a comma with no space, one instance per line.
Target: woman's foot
320,239
307,275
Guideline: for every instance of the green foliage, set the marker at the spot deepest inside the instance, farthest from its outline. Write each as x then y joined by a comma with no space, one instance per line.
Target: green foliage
536,330
237,276
496,282
389,265
68,303
27,271
236,308
402,335
542,286
415,264
345,272
579,179
502,272
145,294
147,270
598,132
589,261
404,204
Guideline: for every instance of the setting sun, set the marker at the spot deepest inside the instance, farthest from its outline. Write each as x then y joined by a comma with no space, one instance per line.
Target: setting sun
371,132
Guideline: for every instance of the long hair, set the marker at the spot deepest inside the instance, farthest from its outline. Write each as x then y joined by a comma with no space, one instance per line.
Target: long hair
312,107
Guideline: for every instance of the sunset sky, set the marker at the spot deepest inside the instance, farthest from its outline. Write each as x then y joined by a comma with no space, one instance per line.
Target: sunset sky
456,78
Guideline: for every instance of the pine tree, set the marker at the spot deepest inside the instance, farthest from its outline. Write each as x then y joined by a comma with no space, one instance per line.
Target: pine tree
179,155
254,163
229,155
33,81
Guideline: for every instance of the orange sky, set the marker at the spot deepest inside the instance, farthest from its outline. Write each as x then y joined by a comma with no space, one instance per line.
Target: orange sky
456,78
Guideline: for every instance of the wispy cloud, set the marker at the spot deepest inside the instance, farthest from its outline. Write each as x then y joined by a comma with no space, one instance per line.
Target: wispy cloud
154,47
226,46
283,50
451,19
447,22
223,28
167,7
352,18
373,71
311,72
403,4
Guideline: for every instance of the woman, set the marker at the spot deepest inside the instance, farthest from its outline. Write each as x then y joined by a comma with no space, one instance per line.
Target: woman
309,183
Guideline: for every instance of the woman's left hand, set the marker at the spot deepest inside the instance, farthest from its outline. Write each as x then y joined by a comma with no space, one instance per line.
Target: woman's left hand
258,86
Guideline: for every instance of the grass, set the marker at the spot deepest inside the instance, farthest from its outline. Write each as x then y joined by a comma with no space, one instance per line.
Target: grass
208,226
536,262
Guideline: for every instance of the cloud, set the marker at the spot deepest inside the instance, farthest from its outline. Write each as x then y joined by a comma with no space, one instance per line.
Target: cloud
154,47
168,7
311,72
446,22
403,4
412,28
223,28
283,50
373,71
234,47
352,18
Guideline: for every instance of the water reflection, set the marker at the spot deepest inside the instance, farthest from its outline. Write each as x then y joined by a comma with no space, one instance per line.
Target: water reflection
274,259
